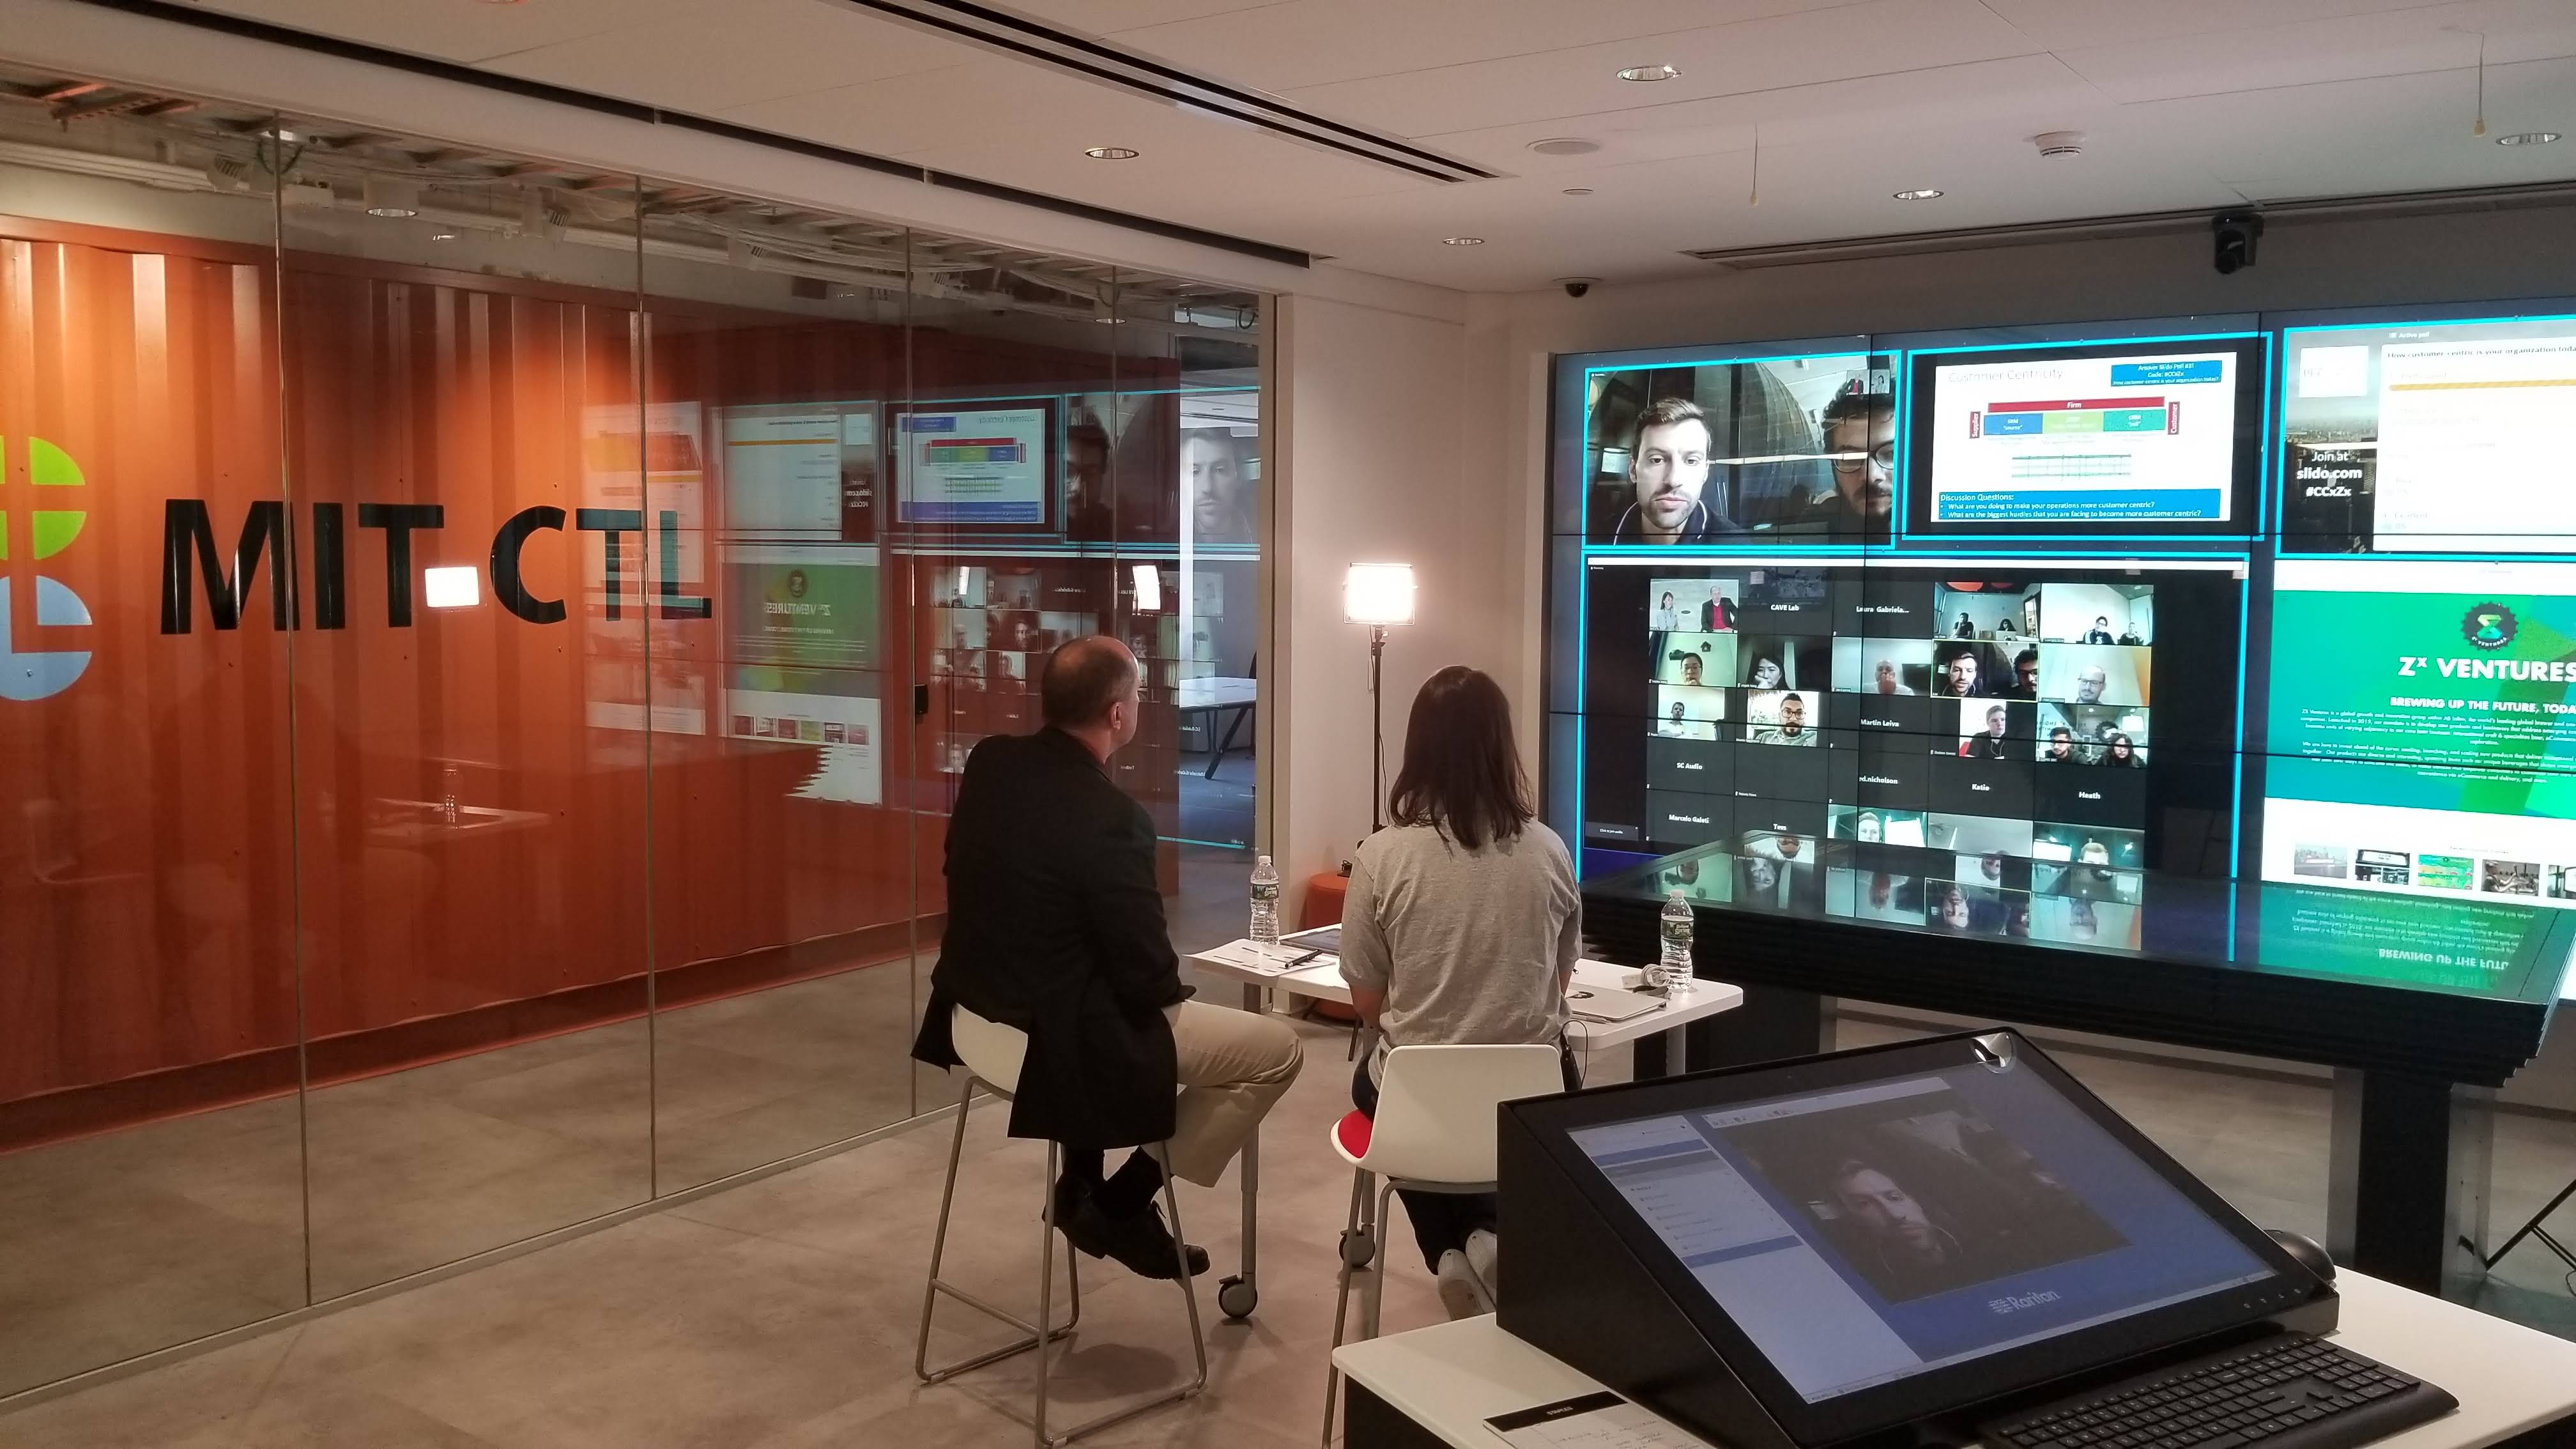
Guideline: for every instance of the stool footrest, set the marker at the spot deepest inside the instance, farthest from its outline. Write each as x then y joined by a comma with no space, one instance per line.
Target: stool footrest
942,1375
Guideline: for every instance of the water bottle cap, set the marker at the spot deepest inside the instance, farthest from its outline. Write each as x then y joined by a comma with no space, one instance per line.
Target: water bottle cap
1265,860
1678,896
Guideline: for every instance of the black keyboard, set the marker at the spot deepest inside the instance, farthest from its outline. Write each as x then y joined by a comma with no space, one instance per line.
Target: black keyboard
2286,1392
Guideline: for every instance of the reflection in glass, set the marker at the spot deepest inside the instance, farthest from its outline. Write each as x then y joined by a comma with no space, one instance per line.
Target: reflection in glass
149,1166
783,822
524,794
471,779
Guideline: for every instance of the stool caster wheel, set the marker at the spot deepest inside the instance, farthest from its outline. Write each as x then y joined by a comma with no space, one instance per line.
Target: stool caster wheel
1236,1297
1359,1249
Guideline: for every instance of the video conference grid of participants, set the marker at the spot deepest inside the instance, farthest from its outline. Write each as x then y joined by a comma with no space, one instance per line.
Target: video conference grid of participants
1982,744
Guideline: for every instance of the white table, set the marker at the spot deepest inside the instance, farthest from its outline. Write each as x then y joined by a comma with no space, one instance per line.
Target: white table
1448,1379
1212,692
1322,981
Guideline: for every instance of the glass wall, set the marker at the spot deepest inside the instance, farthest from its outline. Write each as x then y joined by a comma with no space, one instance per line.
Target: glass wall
486,652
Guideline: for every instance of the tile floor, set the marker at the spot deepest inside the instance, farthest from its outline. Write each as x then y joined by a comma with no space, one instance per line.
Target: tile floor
129,1242
782,1312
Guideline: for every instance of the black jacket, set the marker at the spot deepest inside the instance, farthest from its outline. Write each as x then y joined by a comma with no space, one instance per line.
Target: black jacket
1055,926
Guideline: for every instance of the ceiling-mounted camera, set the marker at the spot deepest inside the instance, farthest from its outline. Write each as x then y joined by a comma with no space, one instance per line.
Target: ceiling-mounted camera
1576,286
2234,234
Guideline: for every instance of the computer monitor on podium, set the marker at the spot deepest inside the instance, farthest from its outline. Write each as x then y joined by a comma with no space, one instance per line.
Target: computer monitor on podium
1831,1250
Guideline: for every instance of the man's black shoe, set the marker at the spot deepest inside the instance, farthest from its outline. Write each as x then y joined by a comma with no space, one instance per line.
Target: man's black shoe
1138,1241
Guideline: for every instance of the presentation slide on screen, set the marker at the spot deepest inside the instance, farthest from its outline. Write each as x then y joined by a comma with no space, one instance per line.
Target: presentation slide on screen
808,604
2422,729
2449,438
787,473
2059,437
987,466
826,709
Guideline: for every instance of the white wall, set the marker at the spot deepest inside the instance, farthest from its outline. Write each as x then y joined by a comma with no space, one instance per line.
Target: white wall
1374,473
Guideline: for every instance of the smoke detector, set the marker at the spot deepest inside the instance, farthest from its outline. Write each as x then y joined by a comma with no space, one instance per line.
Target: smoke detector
2054,145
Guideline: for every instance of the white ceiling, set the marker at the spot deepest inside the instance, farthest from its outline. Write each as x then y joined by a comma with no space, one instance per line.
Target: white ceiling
2185,103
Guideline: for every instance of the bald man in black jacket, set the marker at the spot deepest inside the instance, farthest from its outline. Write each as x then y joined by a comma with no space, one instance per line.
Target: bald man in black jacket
1055,926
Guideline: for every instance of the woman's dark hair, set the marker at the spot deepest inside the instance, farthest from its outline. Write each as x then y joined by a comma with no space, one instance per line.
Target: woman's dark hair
1462,774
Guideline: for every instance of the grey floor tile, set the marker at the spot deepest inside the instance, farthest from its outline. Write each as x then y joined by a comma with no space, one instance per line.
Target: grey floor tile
781,1313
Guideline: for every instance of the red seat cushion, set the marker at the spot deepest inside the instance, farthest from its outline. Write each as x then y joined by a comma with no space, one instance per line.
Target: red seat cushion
1353,1132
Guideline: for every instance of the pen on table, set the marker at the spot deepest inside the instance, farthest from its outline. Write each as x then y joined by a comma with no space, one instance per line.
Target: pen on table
1302,960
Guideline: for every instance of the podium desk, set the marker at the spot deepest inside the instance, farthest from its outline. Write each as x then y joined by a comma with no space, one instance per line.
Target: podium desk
2516,1386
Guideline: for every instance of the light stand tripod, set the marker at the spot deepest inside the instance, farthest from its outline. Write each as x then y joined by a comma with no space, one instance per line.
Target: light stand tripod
1377,729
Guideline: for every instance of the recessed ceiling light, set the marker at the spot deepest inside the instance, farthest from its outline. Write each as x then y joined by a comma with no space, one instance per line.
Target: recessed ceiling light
1110,153
1650,73
1565,146
442,236
2528,138
1578,191
1462,241
1921,193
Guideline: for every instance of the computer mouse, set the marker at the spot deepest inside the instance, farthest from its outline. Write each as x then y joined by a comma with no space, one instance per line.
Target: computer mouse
2310,1253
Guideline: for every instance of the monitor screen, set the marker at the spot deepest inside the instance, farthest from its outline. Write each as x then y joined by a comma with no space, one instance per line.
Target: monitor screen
1956,742
2145,436
800,472
2423,716
981,466
2002,632
1865,1234
2437,437
1721,449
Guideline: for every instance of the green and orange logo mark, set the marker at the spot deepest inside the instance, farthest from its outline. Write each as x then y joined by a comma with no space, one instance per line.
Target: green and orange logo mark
30,674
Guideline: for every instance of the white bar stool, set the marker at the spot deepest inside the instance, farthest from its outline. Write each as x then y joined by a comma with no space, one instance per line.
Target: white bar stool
1434,1132
993,1055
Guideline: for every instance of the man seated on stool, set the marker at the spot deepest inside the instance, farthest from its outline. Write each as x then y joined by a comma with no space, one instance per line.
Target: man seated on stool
1055,926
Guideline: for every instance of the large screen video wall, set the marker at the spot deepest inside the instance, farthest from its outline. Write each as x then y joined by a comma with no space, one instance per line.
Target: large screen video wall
2076,635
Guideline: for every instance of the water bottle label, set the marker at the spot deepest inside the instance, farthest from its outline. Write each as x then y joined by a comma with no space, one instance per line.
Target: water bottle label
1265,892
1677,932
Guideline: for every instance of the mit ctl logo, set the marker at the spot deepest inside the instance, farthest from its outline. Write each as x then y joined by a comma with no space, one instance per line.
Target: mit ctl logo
28,674
2488,626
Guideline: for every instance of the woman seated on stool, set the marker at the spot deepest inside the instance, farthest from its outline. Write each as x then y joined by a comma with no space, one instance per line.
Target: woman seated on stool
1461,926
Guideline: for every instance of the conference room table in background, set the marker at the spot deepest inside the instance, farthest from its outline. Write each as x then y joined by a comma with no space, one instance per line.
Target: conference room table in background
1213,694
1321,980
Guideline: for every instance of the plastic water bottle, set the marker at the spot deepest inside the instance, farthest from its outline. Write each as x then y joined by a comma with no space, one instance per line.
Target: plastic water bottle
448,779
1265,902
1673,972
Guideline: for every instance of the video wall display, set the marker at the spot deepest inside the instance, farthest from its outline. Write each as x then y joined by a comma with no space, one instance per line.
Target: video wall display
1938,741
2086,436
2445,437
2077,638
1728,450
2422,730
984,466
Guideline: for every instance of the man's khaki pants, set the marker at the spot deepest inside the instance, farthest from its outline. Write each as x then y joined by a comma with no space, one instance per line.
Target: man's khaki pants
1234,1067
